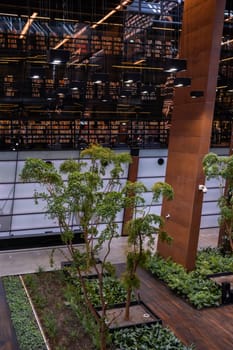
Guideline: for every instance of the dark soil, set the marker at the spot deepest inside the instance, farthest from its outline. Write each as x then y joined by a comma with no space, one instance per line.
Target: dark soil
62,327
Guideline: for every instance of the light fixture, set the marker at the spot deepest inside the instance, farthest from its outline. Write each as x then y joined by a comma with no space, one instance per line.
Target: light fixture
68,37
131,77
172,65
58,56
62,42
196,94
139,61
182,82
99,78
125,93
27,25
37,72
117,8
146,89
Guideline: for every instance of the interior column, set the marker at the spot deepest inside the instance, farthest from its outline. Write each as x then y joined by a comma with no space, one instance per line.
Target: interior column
191,126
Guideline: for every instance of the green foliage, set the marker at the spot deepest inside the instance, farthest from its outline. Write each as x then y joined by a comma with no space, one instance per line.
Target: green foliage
218,166
146,338
113,290
141,230
50,324
75,300
213,261
27,330
194,286
84,195
95,203
221,167
162,189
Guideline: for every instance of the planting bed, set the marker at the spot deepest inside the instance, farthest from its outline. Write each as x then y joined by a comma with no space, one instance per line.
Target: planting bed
140,315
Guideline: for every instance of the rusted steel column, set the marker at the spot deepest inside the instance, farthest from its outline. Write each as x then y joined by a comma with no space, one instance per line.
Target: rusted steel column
190,132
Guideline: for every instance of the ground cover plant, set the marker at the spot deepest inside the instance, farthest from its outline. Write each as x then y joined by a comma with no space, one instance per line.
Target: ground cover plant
29,336
154,337
194,286
113,289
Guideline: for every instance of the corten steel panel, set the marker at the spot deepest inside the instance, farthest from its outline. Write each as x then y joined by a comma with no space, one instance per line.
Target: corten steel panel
132,176
190,132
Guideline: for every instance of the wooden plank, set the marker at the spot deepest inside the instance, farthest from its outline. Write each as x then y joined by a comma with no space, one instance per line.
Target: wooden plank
210,328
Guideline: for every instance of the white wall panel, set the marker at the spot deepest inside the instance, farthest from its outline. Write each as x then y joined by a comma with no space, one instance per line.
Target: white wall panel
210,208
22,206
6,190
35,222
212,194
7,172
25,190
149,167
20,222
209,221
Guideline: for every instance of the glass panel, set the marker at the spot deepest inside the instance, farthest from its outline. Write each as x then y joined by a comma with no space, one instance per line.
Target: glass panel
7,172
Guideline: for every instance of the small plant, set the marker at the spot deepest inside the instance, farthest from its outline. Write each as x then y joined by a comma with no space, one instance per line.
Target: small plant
141,232
50,324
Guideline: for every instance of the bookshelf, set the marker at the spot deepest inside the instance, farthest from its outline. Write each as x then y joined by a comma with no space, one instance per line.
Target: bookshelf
9,86
71,133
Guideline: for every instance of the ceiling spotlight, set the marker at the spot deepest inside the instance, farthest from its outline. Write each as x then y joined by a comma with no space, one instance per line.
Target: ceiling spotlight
175,65
196,94
99,78
182,82
58,56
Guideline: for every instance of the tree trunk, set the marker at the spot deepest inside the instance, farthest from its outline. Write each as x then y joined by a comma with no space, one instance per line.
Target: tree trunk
103,330
127,305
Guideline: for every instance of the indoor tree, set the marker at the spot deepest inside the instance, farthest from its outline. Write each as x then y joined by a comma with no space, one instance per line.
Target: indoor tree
141,231
221,168
92,191
81,189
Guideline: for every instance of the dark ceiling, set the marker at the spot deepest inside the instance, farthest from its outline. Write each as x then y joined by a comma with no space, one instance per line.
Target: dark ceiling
76,12
82,10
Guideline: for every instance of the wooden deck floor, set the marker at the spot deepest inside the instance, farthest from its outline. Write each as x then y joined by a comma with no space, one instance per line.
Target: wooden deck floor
208,329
